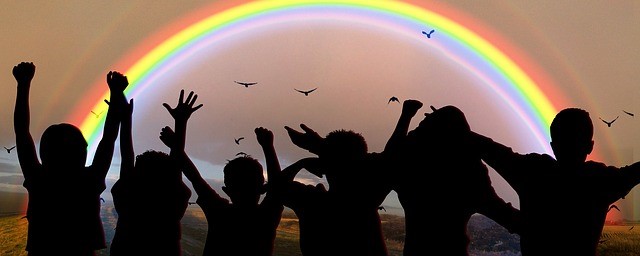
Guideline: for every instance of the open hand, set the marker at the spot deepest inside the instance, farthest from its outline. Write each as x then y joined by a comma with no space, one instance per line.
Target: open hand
309,140
185,108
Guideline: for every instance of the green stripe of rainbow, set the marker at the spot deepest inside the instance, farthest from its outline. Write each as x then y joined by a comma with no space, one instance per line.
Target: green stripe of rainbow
152,54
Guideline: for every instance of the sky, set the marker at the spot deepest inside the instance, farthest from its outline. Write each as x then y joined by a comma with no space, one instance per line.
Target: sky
588,48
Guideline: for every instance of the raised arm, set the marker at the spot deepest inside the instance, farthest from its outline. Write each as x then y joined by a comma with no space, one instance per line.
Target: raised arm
492,205
169,137
176,141
117,102
265,139
27,156
181,114
500,157
312,164
126,142
502,213
409,110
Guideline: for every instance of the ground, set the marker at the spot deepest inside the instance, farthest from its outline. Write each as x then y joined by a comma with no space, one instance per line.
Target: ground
488,238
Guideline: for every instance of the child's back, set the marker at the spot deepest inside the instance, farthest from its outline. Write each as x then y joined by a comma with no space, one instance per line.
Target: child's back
150,204
64,195
242,226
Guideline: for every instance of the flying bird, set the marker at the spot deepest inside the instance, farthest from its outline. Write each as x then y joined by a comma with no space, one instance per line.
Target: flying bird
9,149
631,228
382,208
609,123
98,114
306,93
428,34
394,98
631,114
102,199
238,140
245,84
612,207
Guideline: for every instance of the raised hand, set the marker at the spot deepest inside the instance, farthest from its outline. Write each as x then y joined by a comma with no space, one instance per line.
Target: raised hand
125,109
309,140
185,108
411,107
128,108
24,72
264,136
168,136
117,82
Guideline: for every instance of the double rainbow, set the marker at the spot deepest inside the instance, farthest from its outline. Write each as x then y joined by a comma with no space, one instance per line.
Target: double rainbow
478,49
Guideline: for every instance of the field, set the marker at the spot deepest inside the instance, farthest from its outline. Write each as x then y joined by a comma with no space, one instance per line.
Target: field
488,238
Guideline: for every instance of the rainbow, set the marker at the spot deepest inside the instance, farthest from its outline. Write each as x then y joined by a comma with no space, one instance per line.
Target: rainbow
490,57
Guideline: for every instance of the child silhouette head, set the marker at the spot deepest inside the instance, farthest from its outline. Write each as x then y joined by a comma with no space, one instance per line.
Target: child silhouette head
342,145
157,168
572,136
341,154
445,126
244,181
63,145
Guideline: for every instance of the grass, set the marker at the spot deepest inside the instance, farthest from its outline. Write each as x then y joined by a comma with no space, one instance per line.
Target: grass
618,240
13,235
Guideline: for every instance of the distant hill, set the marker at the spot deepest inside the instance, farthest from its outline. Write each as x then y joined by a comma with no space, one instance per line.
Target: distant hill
12,203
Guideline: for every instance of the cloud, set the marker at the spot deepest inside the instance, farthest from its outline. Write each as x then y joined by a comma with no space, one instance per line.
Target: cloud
12,179
12,188
9,167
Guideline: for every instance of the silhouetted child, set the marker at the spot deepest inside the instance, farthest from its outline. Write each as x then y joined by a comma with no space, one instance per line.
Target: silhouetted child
567,192
243,226
441,182
64,195
150,199
344,219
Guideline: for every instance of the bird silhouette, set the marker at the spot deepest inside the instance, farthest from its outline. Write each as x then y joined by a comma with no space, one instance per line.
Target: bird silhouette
102,199
242,153
609,123
613,206
9,149
306,93
394,98
631,228
382,208
98,114
428,34
245,84
238,140
631,114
